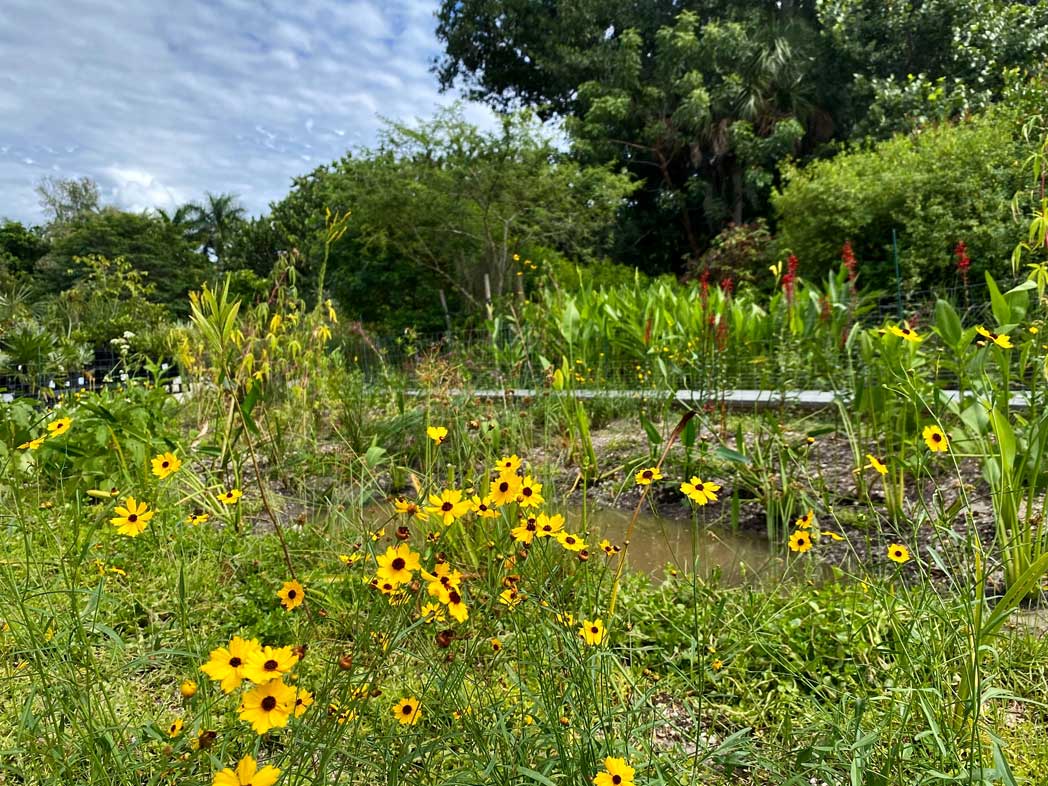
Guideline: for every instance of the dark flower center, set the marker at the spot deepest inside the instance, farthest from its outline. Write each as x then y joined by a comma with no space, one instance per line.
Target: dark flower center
132,518
936,437
526,491
291,594
235,661
166,464
407,709
503,487
616,779
268,703
270,665
446,507
398,564
647,474
594,630
454,597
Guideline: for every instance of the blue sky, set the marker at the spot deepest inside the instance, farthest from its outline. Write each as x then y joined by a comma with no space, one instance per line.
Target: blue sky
160,101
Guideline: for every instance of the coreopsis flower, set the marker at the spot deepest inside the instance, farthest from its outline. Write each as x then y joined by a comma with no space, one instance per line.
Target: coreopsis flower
442,580
437,433
409,508
291,595
570,541
593,632
616,773
268,706
230,496
898,553
875,463
905,332
407,711
247,774
1001,340
700,492
303,701
456,606
530,493
548,526
226,664
935,439
166,464
484,508
526,530
508,464
800,541
511,598
57,428
188,689
609,548
198,516
398,565
131,518
448,507
648,475
175,728
805,521
496,645
431,612
32,444
269,663
504,489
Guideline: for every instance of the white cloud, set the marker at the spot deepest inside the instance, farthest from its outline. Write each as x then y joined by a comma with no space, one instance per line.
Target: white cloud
161,102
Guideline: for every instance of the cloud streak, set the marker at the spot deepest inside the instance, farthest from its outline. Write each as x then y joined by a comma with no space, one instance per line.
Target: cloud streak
160,105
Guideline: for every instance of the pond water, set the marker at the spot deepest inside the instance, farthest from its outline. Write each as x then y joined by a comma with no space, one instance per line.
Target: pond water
739,557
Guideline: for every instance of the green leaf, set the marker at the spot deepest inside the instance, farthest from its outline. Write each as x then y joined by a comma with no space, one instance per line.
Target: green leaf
1002,312
947,323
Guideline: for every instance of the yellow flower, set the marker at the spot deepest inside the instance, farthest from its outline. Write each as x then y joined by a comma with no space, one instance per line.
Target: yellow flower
197,517
175,728
936,441
230,497
398,564
484,508
291,595
57,428
1003,341
456,606
432,612
166,464
875,464
800,541
247,774
268,706
508,464
898,553
717,665
132,518
408,508
906,333
548,526
505,488
188,689
496,645
350,559
593,632
525,531
437,433
441,581
530,493
269,663
407,711
609,548
832,535
302,702
227,663
511,598
648,476
32,444
699,492
570,541
449,506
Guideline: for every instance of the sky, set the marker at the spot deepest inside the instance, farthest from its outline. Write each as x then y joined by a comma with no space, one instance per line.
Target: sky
159,101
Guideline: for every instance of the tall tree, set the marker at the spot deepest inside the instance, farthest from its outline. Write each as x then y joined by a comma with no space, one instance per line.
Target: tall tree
66,200
216,222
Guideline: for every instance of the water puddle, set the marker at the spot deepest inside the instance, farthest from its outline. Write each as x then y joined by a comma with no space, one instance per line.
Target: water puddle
738,557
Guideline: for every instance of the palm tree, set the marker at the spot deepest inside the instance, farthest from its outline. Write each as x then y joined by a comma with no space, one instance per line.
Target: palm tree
216,222
183,220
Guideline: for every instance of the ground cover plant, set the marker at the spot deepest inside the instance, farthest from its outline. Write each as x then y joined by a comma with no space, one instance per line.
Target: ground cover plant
290,575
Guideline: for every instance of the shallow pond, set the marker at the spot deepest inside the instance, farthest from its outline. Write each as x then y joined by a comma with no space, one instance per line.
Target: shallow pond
739,557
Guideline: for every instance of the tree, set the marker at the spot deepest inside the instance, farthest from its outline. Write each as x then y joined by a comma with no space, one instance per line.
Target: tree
66,200
216,223
20,247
